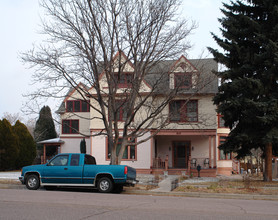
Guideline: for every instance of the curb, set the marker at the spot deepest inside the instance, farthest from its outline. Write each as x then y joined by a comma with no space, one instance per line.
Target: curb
205,195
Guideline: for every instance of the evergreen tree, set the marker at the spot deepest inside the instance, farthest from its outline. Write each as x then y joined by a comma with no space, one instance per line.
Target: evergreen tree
27,146
83,146
45,129
9,148
248,95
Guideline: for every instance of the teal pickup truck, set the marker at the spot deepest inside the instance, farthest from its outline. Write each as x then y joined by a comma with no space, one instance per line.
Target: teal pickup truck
78,170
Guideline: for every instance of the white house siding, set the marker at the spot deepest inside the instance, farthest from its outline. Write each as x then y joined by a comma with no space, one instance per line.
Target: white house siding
206,115
84,123
98,149
72,145
72,141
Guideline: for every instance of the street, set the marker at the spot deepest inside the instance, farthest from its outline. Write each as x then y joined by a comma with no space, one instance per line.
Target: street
41,204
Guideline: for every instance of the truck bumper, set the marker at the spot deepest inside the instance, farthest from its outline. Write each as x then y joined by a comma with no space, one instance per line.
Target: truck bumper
132,182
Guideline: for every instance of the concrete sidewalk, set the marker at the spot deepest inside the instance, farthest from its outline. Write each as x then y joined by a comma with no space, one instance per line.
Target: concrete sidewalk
167,185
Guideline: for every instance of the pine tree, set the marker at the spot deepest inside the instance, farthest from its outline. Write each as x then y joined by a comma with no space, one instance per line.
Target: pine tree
83,146
27,146
45,129
9,148
248,95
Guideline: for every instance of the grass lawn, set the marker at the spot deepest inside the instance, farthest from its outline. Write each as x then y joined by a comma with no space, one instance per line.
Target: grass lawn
249,185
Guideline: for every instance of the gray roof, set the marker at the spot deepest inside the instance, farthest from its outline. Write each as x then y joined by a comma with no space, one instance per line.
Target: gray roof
158,78
207,81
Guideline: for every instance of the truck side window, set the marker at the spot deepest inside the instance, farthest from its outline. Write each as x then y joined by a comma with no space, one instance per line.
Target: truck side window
74,160
90,160
59,161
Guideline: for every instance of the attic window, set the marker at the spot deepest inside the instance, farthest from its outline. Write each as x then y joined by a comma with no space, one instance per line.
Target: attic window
77,106
183,80
124,80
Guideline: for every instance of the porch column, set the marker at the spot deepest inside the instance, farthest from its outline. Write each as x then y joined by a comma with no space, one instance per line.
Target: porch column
214,151
275,167
44,154
151,153
210,152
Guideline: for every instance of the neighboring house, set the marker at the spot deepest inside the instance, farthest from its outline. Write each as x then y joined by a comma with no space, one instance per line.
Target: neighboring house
191,138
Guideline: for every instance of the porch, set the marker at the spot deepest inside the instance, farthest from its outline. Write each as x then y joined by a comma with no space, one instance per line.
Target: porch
55,142
161,167
180,152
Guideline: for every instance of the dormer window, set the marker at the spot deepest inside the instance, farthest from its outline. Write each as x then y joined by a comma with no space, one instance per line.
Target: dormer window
183,80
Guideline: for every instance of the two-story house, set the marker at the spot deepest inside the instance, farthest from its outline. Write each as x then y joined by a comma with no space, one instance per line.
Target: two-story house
190,138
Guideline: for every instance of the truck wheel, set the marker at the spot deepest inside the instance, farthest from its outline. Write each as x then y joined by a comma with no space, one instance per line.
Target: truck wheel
32,182
105,185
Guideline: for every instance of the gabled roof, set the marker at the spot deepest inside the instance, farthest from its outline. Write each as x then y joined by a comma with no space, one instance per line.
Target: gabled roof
203,67
62,107
160,71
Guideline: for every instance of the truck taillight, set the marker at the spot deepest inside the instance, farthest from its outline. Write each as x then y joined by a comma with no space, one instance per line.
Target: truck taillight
125,170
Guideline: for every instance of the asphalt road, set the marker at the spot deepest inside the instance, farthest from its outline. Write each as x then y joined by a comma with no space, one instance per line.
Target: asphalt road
40,204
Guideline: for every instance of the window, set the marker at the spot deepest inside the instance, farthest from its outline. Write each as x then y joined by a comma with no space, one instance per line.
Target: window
70,126
77,106
129,153
90,160
74,161
183,111
183,80
61,160
222,155
124,80
120,110
221,122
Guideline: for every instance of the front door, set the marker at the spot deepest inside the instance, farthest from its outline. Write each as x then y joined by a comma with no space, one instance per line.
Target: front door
181,153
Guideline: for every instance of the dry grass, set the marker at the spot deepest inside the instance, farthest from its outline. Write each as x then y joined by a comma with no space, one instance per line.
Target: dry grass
9,181
250,186
144,187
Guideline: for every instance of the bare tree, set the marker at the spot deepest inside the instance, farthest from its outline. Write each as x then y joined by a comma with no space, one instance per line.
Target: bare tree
83,38
12,118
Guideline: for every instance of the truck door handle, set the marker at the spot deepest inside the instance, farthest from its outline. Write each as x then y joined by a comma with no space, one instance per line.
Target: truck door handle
65,168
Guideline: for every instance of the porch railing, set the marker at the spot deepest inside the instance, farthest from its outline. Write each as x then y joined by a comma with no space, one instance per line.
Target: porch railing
158,163
203,162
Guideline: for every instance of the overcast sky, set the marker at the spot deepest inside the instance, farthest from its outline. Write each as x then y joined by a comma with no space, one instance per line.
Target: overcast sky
20,26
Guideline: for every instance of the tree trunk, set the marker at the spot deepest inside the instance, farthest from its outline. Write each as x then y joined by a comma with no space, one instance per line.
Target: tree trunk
268,163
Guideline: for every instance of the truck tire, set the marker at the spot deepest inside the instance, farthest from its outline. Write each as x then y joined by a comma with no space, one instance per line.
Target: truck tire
105,185
32,182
